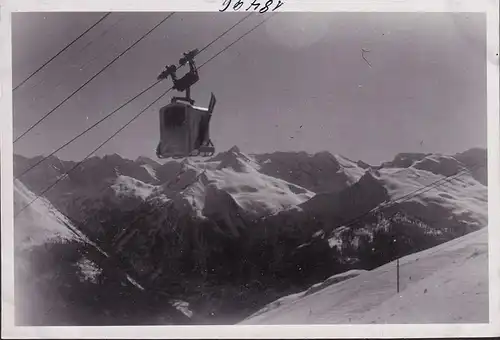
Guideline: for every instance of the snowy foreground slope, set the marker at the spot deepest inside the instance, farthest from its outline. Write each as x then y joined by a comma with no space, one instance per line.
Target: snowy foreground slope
444,284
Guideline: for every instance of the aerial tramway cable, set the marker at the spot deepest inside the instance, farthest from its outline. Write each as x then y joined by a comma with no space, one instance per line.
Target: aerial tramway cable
121,106
93,77
132,120
61,51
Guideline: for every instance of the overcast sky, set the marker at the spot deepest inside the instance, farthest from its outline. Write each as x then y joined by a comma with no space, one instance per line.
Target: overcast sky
424,92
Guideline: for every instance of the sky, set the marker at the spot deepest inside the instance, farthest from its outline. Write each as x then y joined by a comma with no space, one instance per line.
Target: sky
297,83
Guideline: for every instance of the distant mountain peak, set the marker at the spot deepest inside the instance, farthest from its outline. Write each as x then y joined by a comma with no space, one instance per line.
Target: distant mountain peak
370,176
146,160
235,159
112,156
405,160
234,149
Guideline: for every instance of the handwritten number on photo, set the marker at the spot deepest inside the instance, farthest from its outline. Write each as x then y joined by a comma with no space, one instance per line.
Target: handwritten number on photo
254,5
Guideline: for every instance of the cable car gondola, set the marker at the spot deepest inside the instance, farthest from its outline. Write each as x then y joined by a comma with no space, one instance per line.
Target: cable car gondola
184,127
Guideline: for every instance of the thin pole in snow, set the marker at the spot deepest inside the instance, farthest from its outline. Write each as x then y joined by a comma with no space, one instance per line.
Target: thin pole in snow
397,273
396,247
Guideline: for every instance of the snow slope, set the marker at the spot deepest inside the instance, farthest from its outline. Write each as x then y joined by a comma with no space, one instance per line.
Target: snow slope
444,284
289,299
463,196
257,192
129,186
56,284
423,191
319,172
40,223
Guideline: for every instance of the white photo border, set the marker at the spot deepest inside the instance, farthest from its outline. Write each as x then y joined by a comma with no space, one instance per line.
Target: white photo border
490,7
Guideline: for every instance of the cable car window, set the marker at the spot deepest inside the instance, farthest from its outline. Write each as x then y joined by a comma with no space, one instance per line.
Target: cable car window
174,116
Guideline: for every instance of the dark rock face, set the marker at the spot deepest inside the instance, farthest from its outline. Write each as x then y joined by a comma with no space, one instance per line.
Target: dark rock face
446,166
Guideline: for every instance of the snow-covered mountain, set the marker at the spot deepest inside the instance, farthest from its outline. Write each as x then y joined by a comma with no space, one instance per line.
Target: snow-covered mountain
190,183
320,172
39,228
58,270
40,223
271,223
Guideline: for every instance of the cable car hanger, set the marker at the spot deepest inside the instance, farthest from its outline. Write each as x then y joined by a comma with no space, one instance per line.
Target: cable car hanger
184,84
184,128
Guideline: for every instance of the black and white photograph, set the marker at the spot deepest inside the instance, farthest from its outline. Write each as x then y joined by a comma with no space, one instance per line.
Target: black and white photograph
249,166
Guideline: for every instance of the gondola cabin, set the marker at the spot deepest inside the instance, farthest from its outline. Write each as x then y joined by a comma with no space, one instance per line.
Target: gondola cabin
184,130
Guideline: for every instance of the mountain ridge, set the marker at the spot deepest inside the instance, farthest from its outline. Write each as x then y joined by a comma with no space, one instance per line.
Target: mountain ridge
261,185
